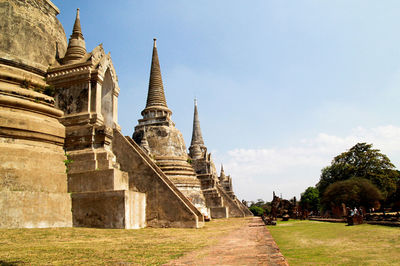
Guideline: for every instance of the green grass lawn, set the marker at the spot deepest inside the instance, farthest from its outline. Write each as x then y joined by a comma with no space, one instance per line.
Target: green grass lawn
68,246
322,243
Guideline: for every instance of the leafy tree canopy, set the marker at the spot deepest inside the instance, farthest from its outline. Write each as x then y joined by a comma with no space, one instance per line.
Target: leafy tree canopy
354,192
310,199
361,161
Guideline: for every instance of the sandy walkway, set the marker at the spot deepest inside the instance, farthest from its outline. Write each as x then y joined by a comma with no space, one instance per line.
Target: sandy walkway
252,244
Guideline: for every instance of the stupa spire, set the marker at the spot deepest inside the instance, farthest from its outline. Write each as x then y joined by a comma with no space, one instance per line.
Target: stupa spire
222,176
155,96
197,137
197,149
76,45
77,30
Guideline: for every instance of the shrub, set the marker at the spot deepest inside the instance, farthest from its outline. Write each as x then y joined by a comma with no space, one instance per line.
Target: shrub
257,211
352,192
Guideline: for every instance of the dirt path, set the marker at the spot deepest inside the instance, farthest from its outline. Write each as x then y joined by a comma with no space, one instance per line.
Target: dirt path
252,244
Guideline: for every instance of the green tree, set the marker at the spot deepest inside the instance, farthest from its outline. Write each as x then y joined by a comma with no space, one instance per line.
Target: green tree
393,201
257,211
364,162
310,199
260,207
353,192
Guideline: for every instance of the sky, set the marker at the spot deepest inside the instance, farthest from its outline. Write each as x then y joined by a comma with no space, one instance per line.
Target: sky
282,86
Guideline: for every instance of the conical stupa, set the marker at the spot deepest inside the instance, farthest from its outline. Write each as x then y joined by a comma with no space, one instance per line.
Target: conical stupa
76,46
197,149
165,142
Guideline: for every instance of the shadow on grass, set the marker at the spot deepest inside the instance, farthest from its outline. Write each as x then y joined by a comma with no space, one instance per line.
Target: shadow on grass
10,263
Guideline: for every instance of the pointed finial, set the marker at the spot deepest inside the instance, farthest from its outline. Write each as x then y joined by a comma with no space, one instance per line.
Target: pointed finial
154,43
77,30
222,176
197,149
197,138
155,95
76,45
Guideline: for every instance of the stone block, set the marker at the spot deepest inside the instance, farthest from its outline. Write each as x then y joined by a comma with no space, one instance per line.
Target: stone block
219,212
98,180
82,166
216,201
83,155
122,209
30,209
27,165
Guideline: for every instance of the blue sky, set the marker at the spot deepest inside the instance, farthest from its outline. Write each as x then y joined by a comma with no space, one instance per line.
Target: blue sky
282,86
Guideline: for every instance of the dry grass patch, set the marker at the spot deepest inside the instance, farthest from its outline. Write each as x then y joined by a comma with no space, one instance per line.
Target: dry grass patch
68,246
310,242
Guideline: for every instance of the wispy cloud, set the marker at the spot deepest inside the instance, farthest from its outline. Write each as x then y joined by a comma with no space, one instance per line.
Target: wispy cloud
290,170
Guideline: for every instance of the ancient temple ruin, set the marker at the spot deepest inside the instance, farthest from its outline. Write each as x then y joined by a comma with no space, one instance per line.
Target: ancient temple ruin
157,134
220,198
64,161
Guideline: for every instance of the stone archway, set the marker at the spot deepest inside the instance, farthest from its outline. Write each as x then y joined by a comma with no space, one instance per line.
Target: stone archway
107,99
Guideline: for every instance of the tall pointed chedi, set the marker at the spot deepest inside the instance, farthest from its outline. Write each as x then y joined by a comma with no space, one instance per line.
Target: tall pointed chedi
165,143
76,46
226,182
220,203
155,96
156,109
197,148
222,176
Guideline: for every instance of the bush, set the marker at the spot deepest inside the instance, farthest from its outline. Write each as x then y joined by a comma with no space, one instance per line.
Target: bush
257,211
353,192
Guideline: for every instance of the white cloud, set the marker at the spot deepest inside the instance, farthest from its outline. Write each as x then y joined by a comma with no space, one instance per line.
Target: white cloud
290,170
